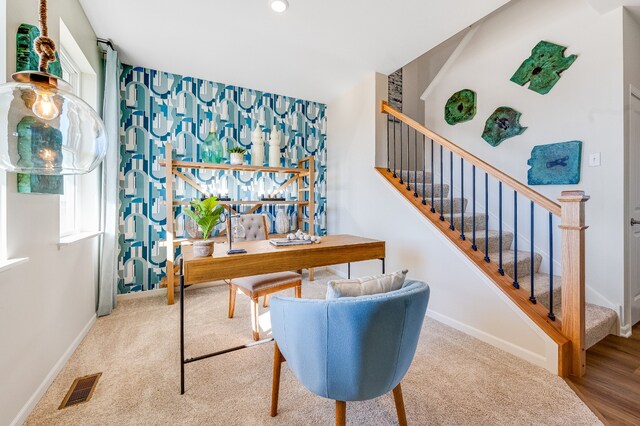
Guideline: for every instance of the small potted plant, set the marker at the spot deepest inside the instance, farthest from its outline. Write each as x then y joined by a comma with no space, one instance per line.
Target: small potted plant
206,213
236,155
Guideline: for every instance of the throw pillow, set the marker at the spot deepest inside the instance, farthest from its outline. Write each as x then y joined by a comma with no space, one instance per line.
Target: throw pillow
366,285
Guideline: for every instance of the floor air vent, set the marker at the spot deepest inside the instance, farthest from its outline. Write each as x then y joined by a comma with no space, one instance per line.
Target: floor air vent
81,390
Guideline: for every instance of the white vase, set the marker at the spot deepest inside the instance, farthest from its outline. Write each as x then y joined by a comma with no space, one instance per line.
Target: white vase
202,248
274,148
282,222
257,147
236,159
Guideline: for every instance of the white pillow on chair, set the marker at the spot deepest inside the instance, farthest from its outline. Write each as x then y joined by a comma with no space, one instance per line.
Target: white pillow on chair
366,285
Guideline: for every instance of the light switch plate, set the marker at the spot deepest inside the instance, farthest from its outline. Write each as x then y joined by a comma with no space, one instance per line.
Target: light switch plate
594,159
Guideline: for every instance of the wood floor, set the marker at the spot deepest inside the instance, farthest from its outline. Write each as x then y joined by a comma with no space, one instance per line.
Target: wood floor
611,386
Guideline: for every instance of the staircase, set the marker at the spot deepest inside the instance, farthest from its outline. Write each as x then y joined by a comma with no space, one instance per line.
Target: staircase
516,272
599,321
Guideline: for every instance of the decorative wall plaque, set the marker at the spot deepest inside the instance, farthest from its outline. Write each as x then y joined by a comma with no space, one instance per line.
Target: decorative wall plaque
503,124
555,164
543,68
460,107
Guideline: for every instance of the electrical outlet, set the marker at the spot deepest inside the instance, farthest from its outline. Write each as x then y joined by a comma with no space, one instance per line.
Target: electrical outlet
594,159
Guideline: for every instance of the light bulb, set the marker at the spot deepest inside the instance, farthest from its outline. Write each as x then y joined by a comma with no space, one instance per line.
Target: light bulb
279,6
45,107
48,156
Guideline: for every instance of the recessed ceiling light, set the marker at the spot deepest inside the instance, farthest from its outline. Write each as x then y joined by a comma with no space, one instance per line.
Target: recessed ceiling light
279,6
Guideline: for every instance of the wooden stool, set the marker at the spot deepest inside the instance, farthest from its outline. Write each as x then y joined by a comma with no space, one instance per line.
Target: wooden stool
262,285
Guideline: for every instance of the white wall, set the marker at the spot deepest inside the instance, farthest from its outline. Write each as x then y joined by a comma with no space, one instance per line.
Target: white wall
48,303
362,203
586,104
631,36
417,75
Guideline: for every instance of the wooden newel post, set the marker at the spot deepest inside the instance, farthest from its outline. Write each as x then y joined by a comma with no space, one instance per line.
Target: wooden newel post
573,276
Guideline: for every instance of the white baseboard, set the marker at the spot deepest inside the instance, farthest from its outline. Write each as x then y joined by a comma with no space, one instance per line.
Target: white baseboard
162,291
518,351
142,294
31,403
337,272
626,330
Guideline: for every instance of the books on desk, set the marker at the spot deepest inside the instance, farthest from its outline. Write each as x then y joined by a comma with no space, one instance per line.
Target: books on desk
283,242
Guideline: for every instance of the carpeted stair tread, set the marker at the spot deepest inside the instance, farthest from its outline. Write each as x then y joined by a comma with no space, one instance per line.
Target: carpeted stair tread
436,191
524,262
494,240
419,176
599,323
541,289
468,222
459,205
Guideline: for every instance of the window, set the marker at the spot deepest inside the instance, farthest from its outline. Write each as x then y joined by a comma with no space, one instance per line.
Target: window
69,201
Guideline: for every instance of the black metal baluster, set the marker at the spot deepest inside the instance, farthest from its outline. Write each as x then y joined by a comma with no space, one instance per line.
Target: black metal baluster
395,153
462,237
441,184
451,191
532,298
474,247
424,171
516,284
500,270
408,158
388,141
433,177
551,315
415,164
401,138
486,218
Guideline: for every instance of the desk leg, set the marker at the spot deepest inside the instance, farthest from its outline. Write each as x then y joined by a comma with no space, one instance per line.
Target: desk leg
181,327
383,266
349,271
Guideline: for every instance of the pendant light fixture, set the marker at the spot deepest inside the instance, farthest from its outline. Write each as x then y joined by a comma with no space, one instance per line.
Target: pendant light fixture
44,128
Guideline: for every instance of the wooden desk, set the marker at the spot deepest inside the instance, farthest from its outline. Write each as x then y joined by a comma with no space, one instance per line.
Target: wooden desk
263,258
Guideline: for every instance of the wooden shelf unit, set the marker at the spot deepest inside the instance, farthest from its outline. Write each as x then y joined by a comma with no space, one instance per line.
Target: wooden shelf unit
304,172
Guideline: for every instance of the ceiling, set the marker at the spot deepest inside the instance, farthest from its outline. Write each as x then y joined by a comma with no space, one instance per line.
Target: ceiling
315,50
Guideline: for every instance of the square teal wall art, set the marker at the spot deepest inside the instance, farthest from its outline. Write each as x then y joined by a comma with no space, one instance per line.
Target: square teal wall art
159,107
27,60
555,164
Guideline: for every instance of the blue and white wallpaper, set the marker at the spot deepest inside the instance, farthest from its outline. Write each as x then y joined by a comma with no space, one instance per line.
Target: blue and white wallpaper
159,107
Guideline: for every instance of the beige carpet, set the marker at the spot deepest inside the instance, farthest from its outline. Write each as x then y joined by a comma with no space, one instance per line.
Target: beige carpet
454,380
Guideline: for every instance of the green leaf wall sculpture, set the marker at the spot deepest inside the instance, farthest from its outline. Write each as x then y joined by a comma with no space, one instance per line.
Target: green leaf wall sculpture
543,68
460,107
503,124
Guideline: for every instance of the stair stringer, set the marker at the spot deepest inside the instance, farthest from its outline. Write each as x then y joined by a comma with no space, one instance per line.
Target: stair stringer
552,347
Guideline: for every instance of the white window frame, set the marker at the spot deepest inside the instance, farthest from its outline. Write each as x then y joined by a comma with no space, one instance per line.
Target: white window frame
72,183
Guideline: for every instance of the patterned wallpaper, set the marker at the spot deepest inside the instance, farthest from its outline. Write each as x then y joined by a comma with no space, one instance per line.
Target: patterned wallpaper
159,107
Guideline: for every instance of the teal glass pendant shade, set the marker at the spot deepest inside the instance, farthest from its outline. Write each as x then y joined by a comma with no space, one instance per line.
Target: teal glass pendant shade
47,130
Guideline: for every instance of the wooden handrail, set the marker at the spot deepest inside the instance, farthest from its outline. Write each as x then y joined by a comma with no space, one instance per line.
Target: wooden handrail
518,186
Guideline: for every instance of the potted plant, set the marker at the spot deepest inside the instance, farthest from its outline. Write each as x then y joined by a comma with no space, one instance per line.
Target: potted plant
206,213
236,155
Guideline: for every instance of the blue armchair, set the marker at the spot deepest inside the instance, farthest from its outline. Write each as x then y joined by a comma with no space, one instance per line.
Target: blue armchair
351,348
